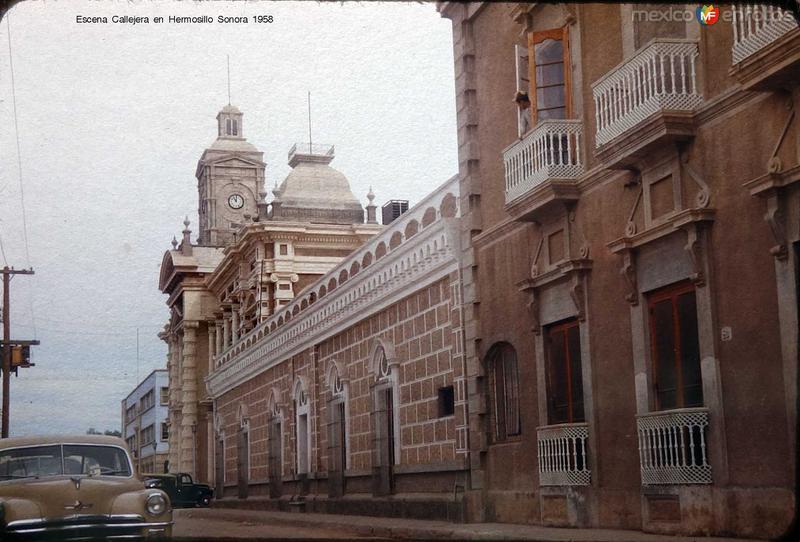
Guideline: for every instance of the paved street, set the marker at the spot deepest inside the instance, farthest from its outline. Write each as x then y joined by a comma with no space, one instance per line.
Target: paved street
210,524
235,524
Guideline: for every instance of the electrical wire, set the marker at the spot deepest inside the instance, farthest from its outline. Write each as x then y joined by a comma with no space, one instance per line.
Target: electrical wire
19,168
3,251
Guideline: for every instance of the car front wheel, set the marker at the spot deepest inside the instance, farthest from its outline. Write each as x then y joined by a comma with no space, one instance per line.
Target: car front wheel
205,500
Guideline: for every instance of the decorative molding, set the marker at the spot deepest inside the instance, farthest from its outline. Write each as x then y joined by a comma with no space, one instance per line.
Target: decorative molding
688,220
572,270
628,272
696,252
775,219
630,225
497,233
774,164
703,197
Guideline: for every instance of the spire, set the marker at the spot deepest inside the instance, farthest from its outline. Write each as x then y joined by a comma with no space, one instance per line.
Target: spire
229,79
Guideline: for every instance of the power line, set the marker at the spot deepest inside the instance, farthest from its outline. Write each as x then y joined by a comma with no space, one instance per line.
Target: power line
3,251
16,133
19,167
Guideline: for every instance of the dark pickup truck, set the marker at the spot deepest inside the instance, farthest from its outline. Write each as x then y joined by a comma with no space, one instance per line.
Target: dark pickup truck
180,487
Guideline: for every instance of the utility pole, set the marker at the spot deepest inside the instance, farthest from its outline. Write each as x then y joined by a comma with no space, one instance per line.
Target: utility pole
7,343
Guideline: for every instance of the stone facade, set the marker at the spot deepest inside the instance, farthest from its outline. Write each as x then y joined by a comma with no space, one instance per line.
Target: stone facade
636,192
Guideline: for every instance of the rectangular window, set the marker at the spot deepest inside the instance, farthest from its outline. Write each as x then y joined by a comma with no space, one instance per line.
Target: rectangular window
164,397
447,401
549,65
283,249
675,348
564,373
164,432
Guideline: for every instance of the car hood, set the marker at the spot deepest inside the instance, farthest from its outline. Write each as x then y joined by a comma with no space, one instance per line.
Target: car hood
58,496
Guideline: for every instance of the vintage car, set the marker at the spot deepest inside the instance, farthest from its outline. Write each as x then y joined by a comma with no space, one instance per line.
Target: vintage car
70,488
180,487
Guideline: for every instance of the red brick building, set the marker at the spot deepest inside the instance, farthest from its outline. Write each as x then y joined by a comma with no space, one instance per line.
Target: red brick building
617,265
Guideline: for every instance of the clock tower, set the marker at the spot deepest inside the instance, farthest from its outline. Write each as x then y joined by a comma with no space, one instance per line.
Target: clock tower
230,181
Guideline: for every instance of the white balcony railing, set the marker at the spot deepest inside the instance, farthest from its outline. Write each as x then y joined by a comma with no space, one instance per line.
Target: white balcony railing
660,76
563,458
672,447
755,27
551,150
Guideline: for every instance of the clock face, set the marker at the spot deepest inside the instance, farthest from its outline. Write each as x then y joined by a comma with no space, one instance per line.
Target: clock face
236,201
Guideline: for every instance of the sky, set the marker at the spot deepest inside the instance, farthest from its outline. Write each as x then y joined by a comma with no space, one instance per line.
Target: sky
112,119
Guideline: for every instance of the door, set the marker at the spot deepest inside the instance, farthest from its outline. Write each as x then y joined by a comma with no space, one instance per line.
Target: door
243,462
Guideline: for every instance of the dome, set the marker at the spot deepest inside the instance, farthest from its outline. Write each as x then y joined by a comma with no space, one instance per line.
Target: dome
316,192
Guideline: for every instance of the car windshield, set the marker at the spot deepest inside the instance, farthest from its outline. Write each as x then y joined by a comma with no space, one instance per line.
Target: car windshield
75,459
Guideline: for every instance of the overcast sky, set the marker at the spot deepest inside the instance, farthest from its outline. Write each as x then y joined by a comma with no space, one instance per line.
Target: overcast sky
112,120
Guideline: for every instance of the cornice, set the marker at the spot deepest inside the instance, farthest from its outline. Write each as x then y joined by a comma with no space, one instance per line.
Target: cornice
496,233
674,223
730,100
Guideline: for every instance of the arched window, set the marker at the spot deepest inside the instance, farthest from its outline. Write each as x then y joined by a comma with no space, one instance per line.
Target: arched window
275,443
302,428
338,431
386,402
503,379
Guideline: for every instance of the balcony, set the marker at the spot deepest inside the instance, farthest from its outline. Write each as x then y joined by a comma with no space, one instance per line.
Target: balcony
766,47
547,158
672,447
562,455
647,100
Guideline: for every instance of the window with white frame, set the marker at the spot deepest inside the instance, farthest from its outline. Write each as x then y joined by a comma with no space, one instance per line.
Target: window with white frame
339,418
164,396
302,428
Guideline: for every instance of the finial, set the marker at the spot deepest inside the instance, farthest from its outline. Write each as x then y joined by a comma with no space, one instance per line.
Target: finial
186,245
174,243
371,208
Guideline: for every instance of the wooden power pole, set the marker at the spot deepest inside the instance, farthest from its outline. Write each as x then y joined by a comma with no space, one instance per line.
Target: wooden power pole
7,343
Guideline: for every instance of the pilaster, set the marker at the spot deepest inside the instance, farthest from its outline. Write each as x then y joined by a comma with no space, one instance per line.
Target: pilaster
189,398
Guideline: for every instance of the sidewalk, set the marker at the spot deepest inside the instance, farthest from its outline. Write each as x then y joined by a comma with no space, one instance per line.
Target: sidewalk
398,528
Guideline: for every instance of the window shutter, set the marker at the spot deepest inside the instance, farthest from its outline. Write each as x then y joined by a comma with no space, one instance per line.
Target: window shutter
523,78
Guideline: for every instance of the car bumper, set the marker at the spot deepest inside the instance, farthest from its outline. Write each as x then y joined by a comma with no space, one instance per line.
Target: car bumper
115,527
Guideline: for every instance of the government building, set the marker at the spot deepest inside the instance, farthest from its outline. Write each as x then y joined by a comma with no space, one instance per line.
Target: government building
593,324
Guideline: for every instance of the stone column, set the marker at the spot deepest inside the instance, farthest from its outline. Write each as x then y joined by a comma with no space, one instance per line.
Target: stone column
212,341
234,325
189,399
218,336
226,335
174,398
